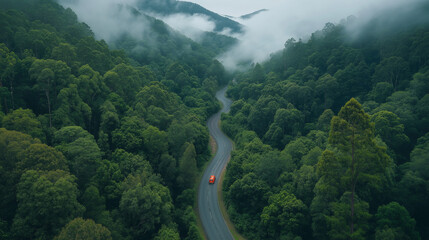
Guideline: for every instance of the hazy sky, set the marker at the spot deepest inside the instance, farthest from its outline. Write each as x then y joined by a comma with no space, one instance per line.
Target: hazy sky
235,8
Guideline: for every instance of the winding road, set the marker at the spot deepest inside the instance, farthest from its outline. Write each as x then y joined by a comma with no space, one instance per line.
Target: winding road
211,217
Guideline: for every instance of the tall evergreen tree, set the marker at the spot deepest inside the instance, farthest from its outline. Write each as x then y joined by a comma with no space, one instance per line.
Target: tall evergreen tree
361,162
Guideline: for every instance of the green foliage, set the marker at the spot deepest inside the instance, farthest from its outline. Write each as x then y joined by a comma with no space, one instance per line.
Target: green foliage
80,229
141,122
81,150
390,129
42,157
394,70
130,135
187,167
47,200
396,220
12,147
356,161
145,205
155,143
128,162
341,216
94,203
71,111
290,102
166,233
284,217
24,121
249,193
419,158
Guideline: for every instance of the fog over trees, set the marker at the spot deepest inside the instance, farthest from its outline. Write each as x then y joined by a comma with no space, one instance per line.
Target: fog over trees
103,133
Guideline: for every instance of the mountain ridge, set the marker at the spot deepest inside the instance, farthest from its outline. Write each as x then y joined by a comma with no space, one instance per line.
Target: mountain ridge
171,7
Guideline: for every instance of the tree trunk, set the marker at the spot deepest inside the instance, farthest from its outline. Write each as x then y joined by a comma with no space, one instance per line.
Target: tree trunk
11,94
353,186
49,108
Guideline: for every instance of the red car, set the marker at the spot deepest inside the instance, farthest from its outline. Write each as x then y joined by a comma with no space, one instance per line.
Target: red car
212,179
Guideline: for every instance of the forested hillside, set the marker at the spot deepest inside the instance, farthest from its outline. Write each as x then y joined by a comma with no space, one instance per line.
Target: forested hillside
92,142
332,135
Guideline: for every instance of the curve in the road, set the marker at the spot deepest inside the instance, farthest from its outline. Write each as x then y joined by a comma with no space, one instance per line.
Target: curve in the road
211,217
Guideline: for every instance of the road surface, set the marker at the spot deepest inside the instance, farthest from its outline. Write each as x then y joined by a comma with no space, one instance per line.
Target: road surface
211,217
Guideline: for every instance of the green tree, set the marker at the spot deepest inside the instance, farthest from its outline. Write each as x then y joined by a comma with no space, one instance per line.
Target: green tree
71,111
217,71
395,219
262,113
324,121
403,103
394,70
286,122
304,180
12,147
249,194
155,144
158,117
42,157
94,204
80,229
388,126
50,76
419,157
24,120
420,83
125,81
128,163
46,202
91,87
65,52
381,91
167,233
4,230
81,150
360,161
284,217
157,95
8,62
271,165
422,113
340,217
108,178
188,167
145,206
328,87
168,169
130,135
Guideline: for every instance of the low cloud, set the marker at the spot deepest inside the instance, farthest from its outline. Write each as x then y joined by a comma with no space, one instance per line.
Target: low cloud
264,34
267,31
192,26
108,19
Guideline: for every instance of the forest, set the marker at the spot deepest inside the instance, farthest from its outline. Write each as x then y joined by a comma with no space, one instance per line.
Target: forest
96,143
107,140
332,135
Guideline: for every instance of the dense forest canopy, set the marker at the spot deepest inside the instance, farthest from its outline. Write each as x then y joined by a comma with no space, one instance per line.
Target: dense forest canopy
332,135
96,141
106,138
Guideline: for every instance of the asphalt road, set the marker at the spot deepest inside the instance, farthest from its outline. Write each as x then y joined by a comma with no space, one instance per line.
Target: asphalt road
211,217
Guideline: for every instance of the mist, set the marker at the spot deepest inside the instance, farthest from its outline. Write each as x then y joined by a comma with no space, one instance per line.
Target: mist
264,33
267,31
190,26
108,19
